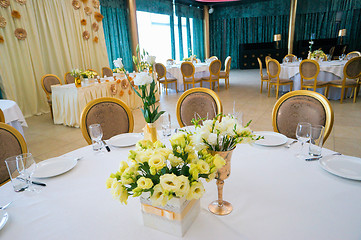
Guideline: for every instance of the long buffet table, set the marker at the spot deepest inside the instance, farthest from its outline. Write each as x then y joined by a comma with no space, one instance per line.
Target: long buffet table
274,194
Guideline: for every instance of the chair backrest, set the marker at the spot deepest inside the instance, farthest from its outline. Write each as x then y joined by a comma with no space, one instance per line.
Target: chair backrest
68,78
352,69
161,70
332,50
2,117
107,72
96,73
47,81
309,69
113,115
227,64
353,54
267,58
291,58
301,106
12,143
215,67
213,58
187,69
197,103
260,67
273,69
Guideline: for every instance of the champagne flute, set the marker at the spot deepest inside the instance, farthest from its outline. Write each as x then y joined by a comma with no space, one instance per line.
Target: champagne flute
166,125
96,134
303,133
237,114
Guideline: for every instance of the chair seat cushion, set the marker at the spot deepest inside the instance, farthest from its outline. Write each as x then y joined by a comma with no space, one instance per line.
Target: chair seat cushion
265,77
282,80
348,82
222,74
191,79
162,80
311,82
213,78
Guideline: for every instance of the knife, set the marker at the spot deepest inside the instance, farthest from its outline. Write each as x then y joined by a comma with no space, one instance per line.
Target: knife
34,182
106,146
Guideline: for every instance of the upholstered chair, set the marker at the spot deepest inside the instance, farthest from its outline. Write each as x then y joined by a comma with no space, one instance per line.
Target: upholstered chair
273,71
352,55
214,69
309,70
291,58
68,78
301,106
197,103
266,59
264,78
113,115
162,77
351,75
188,70
225,74
107,72
2,117
46,82
12,143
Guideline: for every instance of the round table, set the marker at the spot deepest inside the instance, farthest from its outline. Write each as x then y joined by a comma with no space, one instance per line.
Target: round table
13,115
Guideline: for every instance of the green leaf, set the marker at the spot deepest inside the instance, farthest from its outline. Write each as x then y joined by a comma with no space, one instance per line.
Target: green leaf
158,115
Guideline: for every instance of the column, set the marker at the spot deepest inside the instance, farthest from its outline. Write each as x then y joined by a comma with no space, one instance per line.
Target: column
291,29
133,27
206,31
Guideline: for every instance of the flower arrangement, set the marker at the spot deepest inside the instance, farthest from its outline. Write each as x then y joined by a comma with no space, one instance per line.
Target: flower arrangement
165,173
88,74
222,133
140,60
119,67
76,72
318,54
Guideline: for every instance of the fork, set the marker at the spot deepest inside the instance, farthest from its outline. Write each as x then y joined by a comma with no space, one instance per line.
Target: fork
6,205
289,145
317,158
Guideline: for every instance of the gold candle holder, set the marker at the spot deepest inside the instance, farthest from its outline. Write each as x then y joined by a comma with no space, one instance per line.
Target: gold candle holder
221,207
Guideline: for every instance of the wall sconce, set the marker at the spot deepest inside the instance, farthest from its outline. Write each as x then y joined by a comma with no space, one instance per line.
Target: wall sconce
341,34
277,38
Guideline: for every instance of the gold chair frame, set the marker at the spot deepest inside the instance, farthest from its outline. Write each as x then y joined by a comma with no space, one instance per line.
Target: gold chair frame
210,80
266,59
49,93
92,103
165,82
263,79
210,92
185,83
289,55
214,57
103,71
357,52
19,138
322,99
314,87
227,69
2,117
345,87
278,83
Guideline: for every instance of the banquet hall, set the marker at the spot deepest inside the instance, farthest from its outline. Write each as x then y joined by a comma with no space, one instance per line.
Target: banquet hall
92,89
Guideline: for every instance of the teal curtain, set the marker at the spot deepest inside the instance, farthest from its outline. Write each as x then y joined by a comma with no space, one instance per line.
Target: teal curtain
155,6
180,38
198,38
172,35
116,32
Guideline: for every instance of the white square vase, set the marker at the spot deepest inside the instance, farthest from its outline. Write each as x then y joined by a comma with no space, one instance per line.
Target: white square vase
174,218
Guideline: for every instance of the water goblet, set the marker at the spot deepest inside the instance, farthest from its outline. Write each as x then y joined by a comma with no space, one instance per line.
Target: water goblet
303,133
96,135
166,124
16,171
300,59
29,167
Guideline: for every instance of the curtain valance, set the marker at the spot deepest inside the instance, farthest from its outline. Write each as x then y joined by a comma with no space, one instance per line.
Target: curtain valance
182,10
114,3
155,6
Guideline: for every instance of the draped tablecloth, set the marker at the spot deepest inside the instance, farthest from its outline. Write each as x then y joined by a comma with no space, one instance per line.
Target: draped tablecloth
13,115
69,101
274,195
201,70
329,71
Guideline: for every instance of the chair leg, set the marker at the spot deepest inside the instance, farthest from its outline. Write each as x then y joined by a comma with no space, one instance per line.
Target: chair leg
342,95
269,89
51,111
278,87
166,88
261,85
176,86
218,84
201,83
291,87
326,91
354,94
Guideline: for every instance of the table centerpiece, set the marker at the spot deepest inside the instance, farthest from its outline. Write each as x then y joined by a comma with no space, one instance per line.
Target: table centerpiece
118,71
318,55
220,137
76,73
168,181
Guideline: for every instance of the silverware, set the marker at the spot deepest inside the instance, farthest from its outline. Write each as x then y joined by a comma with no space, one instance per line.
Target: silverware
289,145
317,158
106,146
34,182
6,205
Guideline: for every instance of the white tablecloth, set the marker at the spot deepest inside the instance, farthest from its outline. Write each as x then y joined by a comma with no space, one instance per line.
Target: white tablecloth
328,71
13,115
274,196
201,70
69,101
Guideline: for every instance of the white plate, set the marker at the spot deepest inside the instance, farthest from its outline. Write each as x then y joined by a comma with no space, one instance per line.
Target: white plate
271,139
343,166
125,140
4,216
54,167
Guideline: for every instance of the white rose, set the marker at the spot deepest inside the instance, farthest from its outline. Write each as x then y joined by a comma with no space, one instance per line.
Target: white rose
212,139
118,63
151,60
142,78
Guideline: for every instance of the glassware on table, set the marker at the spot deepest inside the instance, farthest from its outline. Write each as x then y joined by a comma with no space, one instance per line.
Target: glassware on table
300,59
96,135
328,57
342,57
316,140
29,165
303,133
16,171
166,125
238,115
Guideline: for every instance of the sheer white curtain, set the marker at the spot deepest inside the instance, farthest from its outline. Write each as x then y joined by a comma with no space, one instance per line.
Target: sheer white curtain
54,44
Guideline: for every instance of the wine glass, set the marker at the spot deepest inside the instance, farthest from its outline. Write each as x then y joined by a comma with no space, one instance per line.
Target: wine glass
303,134
237,114
96,135
166,125
28,168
